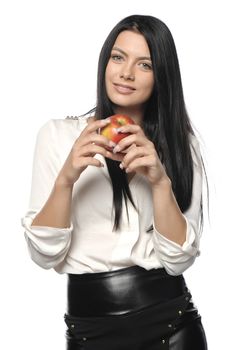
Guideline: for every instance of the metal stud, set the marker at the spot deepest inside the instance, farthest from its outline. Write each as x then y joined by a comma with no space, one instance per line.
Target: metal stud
72,326
169,325
163,341
84,338
180,312
72,117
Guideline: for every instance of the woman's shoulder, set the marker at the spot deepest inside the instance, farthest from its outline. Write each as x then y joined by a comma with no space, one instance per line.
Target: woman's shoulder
57,135
66,122
63,126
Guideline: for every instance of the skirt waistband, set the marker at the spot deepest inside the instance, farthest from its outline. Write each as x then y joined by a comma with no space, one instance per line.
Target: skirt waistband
121,291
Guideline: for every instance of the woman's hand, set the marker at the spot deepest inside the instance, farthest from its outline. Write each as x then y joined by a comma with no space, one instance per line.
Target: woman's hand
87,145
138,154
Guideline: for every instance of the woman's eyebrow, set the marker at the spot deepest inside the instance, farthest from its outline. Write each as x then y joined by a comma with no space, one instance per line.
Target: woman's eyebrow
124,53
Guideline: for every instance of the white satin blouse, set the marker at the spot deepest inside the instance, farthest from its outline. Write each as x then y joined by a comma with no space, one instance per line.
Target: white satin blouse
90,244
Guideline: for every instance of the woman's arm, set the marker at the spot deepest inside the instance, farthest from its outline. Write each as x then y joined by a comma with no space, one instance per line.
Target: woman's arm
57,210
47,223
178,257
176,235
168,218
47,244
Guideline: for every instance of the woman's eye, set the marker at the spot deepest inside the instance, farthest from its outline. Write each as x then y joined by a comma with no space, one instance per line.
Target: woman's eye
146,66
116,57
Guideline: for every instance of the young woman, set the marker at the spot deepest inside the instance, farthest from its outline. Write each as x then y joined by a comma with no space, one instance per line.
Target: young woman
123,221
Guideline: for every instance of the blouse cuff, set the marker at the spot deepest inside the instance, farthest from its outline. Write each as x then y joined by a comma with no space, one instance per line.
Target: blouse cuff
190,247
48,246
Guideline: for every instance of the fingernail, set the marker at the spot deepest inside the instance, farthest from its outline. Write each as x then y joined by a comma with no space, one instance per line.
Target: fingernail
112,144
116,149
118,130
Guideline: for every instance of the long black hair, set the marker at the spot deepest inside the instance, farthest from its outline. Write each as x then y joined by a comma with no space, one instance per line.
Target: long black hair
166,122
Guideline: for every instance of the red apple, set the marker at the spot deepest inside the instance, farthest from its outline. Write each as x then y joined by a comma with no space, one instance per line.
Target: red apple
116,121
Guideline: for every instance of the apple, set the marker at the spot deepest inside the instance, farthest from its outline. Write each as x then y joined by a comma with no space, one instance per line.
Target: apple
111,130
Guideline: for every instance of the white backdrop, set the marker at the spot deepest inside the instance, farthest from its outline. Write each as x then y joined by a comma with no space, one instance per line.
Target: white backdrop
49,54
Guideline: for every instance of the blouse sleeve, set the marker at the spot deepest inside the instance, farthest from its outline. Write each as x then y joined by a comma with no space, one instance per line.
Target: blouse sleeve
175,258
47,246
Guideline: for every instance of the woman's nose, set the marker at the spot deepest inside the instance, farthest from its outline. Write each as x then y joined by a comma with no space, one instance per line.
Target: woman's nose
127,73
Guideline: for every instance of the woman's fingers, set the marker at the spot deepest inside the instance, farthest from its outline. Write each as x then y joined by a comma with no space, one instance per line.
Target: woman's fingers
134,139
129,141
115,156
95,125
131,128
91,135
135,152
86,146
140,162
136,135
95,139
92,149
83,162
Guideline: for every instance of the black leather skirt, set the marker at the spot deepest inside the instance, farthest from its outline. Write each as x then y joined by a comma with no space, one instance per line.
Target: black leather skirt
132,309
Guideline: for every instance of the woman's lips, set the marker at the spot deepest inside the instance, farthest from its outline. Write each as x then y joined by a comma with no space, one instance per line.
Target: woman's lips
124,89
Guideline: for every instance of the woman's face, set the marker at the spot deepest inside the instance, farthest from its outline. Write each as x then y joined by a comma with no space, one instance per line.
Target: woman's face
129,75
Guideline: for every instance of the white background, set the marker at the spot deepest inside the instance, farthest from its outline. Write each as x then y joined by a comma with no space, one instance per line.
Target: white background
49,53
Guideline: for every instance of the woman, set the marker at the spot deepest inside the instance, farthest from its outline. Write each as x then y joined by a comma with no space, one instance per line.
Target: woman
123,221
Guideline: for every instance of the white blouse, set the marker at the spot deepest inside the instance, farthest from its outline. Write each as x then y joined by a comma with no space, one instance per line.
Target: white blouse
90,244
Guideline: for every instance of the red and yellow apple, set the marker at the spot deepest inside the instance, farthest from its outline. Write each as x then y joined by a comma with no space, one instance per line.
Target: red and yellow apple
111,130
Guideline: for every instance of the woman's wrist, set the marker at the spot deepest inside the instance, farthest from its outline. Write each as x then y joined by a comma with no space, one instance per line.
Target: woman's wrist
61,182
162,185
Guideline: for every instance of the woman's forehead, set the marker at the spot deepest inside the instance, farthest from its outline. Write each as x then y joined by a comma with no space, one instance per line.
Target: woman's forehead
133,43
